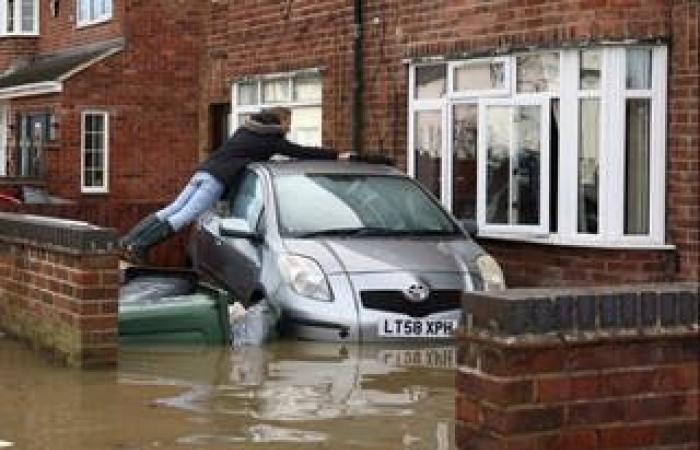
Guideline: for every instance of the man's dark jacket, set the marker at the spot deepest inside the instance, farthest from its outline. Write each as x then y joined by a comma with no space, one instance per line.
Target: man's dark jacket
252,143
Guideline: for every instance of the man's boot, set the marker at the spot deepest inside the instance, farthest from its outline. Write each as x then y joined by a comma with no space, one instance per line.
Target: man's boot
137,248
145,223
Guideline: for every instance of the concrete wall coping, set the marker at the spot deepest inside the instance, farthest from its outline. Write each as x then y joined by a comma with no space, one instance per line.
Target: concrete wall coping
67,235
582,314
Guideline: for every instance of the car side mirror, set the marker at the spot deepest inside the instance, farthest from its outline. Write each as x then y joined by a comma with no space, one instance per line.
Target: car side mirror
470,227
238,228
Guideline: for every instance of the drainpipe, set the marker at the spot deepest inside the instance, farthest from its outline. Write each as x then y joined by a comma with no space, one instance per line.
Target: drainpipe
358,79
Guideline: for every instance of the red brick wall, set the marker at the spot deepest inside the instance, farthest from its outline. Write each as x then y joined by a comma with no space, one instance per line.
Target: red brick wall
12,48
60,299
273,36
683,214
580,369
61,32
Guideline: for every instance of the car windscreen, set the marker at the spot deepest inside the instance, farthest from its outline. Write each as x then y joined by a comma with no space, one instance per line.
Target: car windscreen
348,205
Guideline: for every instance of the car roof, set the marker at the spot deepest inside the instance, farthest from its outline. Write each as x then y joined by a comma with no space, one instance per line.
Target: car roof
307,167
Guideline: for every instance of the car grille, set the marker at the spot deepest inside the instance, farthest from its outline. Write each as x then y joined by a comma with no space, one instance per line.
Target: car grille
394,301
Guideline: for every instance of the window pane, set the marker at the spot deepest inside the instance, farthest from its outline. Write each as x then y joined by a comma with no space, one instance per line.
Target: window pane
638,68
307,88
428,149
554,165
306,126
588,160
430,81
498,164
247,93
590,69
526,173
276,90
480,75
28,16
11,16
464,154
637,166
538,73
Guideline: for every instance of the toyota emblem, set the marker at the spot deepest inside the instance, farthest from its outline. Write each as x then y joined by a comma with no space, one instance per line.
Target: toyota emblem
417,292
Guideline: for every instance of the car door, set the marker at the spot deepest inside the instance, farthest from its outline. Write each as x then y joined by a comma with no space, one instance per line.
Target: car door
238,260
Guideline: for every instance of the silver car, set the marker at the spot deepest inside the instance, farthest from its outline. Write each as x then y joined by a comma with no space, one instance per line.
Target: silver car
345,251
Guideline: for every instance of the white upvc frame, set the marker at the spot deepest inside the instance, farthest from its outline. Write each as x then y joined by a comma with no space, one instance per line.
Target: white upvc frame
542,228
4,115
237,109
612,94
18,19
92,189
82,22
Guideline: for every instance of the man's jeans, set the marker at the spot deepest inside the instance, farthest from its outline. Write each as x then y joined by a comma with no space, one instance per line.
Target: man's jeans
200,193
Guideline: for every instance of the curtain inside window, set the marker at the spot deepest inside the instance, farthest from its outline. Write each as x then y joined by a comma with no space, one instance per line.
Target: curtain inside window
637,166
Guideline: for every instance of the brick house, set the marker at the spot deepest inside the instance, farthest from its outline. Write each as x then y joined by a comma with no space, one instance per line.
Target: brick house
567,129
98,103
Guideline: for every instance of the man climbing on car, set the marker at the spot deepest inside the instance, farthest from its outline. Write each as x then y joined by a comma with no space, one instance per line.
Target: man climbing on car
259,138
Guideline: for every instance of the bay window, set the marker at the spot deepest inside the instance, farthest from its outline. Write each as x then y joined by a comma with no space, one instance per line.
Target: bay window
301,92
19,17
556,146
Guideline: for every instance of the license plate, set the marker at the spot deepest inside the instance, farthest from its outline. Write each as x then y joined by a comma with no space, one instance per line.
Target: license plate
434,358
419,328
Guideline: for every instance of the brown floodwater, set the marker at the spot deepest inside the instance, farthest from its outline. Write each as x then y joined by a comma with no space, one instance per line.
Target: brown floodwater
285,395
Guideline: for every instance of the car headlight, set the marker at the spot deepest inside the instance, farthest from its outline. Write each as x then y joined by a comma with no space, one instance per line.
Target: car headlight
491,273
305,277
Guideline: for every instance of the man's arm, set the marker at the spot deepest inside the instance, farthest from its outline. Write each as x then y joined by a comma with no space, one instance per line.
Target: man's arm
287,148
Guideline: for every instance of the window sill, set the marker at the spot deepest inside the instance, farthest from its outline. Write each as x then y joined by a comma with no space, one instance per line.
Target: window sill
94,192
557,241
81,25
20,35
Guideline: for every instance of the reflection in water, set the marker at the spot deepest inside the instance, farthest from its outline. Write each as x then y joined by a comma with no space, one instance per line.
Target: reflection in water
284,396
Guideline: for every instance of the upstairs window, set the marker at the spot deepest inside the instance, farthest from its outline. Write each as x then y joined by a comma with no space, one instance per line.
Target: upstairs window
93,11
19,17
300,92
558,146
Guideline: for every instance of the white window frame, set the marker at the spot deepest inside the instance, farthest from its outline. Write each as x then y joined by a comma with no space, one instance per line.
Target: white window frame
82,22
540,229
18,19
613,95
92,189
237,110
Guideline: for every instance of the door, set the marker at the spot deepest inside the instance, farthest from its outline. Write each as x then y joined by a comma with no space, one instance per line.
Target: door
32,142
236,262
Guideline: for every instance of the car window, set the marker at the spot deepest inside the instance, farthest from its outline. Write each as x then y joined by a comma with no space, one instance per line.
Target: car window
247,200
317,203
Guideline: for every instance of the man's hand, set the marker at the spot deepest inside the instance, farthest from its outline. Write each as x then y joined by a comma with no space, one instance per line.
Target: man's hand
347,156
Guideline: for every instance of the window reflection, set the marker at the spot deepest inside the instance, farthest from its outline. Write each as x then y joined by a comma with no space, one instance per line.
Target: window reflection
538,72
589,69
498,164
464,158
428,148
480,75
638,68
588,161
637,166
430,81
526,170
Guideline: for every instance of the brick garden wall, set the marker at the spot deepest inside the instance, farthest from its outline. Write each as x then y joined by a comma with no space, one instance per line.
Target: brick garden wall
272,37
597,369
59,284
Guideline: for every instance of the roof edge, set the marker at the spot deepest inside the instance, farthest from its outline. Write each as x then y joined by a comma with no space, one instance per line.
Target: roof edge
26,90
87,64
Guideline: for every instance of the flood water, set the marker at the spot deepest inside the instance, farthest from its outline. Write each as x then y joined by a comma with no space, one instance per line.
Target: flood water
286,395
